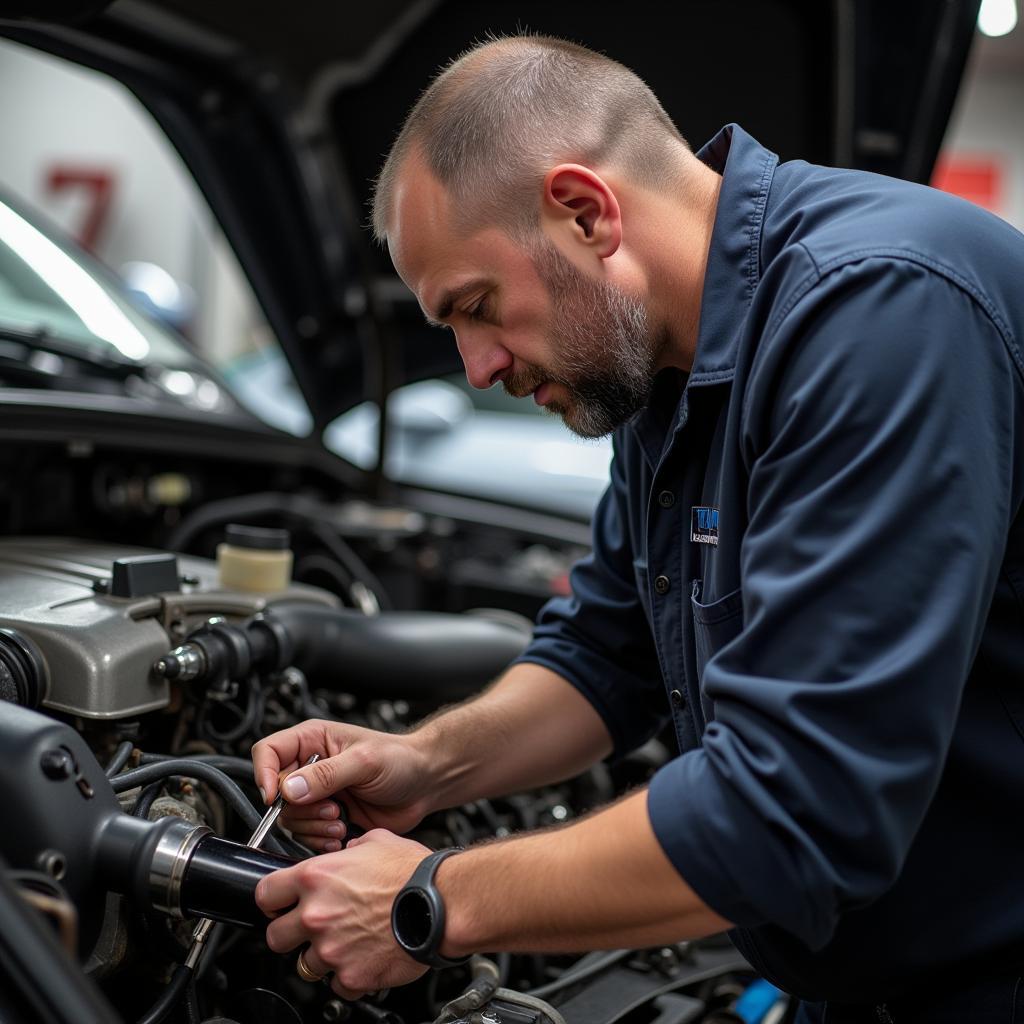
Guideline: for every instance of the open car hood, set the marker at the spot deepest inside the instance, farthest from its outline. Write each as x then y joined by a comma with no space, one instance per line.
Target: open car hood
283,117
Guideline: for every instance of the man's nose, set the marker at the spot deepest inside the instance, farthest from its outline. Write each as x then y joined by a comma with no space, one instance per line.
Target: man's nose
485,360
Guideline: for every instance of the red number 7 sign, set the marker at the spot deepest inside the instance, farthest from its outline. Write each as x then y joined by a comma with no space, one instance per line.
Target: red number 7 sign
99,187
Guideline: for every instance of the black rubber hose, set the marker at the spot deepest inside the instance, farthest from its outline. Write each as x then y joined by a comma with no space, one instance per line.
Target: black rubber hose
293,508
414,656
146,799
120,758
224,785
238,767
180,980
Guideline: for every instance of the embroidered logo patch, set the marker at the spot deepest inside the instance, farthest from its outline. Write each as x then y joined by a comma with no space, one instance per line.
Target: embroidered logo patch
704,526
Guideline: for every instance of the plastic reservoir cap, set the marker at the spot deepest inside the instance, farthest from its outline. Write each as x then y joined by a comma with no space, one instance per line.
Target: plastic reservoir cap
257,538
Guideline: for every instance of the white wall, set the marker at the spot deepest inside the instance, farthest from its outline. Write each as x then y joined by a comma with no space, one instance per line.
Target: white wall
55,113
988,118
52,112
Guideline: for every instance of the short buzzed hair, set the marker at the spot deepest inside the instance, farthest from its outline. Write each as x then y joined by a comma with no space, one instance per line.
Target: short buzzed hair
493,122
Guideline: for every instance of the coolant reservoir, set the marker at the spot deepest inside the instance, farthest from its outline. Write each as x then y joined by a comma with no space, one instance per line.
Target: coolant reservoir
254,559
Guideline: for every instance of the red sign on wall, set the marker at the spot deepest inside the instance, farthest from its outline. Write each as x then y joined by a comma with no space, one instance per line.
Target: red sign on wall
977,178
98,186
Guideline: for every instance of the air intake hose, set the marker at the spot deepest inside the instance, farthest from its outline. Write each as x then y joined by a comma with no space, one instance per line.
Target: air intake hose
406,655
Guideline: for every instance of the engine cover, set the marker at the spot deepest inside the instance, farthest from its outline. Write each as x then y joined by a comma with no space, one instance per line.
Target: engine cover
99,649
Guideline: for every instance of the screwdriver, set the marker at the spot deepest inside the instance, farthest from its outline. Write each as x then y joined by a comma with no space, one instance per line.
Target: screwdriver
202,931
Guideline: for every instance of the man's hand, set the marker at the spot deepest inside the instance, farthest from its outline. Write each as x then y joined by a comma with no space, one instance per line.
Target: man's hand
382,778
341,905
529,729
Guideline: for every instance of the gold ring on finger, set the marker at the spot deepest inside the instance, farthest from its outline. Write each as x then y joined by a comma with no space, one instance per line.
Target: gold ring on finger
305,973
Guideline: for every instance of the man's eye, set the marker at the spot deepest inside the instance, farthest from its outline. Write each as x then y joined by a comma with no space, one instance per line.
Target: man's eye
479,311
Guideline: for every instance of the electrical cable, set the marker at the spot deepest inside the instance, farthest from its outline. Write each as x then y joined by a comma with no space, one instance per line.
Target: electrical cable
304,699
192,1015
240,768
504,962
248,719
180,980
308,566
120,758
580,971
213,777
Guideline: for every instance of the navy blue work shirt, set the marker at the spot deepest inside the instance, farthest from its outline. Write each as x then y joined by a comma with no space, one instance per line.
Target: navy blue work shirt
811,557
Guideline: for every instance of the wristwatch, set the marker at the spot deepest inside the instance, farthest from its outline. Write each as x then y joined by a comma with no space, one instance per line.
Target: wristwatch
417,915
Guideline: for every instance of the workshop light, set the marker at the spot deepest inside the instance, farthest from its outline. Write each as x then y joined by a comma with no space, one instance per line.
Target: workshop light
93,306
997,17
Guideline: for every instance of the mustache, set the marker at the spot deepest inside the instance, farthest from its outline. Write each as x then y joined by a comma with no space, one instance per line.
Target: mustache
525,382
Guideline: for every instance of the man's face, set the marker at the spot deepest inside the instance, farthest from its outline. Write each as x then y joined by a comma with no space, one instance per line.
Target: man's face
526,317
603,352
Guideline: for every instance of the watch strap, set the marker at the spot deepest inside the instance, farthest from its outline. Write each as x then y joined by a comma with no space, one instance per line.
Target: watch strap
422,883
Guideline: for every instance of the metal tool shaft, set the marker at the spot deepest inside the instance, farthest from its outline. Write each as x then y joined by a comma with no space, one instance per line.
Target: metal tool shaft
200,935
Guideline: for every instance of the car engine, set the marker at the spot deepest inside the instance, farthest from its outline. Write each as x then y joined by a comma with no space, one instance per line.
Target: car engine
133,684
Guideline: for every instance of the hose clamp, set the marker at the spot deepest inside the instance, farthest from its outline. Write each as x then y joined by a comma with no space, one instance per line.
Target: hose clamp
170,859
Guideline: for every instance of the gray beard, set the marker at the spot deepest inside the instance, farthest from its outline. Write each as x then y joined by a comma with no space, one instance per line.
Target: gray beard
603,346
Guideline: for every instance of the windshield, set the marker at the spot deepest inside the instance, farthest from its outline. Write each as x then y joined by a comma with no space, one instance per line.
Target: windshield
64,323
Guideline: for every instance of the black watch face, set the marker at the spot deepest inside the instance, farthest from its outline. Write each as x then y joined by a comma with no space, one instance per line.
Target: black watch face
414,918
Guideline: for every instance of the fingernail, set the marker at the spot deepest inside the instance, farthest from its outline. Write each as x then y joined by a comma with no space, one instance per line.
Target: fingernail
327,812
332,845
263,794
296,787
333,830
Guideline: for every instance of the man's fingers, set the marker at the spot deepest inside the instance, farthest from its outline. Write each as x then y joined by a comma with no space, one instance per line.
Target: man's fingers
325,810
277,891
289,748
286,932
348,994
271,755
315,963
317,834
314,782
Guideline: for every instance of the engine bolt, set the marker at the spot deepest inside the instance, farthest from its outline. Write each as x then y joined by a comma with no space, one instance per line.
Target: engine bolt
53,862
336,1010
57,764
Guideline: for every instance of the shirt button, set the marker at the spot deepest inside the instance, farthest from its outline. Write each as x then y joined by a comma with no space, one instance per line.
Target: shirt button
677,698
666,499
662,584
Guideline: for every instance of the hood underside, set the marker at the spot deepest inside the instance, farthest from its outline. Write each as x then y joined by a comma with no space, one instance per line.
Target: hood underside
300,105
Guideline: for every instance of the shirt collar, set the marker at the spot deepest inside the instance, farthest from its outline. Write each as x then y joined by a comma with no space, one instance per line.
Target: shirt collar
734,257
733,270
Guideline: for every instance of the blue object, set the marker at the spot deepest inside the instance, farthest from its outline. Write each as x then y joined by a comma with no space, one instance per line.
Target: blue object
757,999
844,666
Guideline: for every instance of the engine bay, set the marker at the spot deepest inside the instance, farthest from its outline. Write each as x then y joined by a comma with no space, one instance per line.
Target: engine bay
133,683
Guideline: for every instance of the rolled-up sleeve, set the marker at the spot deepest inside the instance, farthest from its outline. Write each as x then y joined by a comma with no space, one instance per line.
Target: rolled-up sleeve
878,431
599,638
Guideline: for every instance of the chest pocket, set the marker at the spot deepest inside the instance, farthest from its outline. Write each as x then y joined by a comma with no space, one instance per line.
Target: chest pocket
714,625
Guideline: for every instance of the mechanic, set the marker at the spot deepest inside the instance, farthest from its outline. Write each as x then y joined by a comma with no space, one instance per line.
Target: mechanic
810,558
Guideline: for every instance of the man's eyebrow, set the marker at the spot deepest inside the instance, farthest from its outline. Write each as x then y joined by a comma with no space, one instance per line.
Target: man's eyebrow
450,297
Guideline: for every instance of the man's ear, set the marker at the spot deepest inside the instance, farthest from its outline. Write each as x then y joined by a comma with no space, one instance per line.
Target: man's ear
581,207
